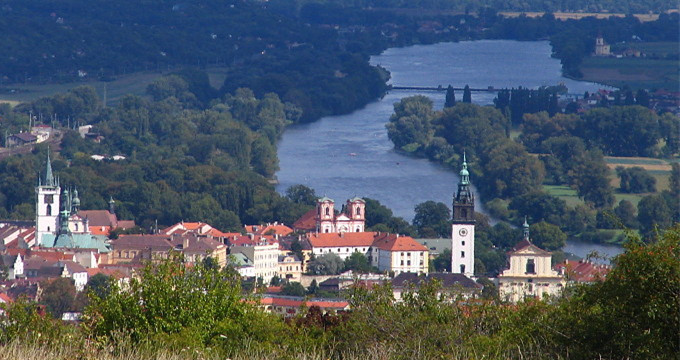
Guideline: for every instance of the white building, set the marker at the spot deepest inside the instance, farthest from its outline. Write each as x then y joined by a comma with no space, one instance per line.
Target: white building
463,227
399,254
530,274
264,254
342,244
47,204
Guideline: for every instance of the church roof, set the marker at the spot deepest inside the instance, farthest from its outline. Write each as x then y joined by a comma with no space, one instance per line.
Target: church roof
356,199
324,199
306,221
528,245
99,217
82,241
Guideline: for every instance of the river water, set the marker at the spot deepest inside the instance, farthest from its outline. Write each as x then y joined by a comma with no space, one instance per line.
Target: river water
350,155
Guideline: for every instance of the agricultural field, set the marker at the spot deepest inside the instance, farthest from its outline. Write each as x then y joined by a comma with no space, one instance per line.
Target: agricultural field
135,84
660,69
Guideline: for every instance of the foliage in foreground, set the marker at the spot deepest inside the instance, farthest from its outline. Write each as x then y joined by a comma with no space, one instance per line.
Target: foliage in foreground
175,312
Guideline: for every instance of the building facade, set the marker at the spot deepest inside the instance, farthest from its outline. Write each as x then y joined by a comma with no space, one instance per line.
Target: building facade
463,227
530,274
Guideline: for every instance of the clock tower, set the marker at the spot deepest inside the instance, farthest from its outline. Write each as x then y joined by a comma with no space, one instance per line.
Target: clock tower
463,227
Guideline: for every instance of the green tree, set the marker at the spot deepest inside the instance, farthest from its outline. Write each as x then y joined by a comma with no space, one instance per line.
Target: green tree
635,180
450,97
58,296
653,212
590,176
99,284
467,94
293,288
442,263
625,211
432,219
548,236
326,264
301,194
358,262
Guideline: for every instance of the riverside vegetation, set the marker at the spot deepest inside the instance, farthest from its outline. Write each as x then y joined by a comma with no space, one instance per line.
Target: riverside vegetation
171,311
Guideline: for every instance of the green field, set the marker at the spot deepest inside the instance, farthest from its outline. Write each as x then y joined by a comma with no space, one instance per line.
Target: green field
127,84
635,72
565,193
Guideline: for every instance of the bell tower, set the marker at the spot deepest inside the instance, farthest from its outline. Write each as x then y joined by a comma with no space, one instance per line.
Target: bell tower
463,226
325,215
47,203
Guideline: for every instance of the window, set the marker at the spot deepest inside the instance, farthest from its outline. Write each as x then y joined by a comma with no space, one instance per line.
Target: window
357,230
463,243
48,212
408,263
531,267
358,210
49,199
402,263
328,211
326,230
462,269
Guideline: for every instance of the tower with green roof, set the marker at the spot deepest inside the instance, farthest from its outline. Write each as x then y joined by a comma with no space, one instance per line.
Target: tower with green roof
463,226
47,203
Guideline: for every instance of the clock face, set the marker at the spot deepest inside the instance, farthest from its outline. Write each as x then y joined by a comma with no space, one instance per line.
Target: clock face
462,232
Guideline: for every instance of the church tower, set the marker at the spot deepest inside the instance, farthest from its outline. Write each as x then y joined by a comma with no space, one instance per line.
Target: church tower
47,204
463,227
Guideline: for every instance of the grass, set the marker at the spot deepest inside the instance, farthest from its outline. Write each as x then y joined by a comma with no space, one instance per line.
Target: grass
634,72
135,84
565,193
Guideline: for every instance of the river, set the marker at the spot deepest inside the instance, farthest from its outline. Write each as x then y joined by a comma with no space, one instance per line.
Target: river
350,155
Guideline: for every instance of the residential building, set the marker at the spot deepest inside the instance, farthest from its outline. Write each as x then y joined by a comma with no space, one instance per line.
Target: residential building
582,271
275,229
452,286
399,254
530,274
262,251
290,306
290,268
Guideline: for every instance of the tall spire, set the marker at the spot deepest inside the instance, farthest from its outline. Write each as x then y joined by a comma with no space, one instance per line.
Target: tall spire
49,177
526,228
464,174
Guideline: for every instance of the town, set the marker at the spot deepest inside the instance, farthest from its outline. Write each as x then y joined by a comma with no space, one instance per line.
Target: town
288,266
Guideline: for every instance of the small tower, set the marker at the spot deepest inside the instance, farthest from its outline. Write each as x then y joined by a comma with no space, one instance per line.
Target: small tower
356,211
75,203
463,226
525,229
47,203
325,215
112,206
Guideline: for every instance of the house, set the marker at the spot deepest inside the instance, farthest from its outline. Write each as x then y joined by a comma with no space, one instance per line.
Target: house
140,248
243,265
582,271
197,228
305,248
323,218
21,139
290,306
275,229
601,48
262,251
14,265
196,249
399,254
452,285
290,268
530,274
75,271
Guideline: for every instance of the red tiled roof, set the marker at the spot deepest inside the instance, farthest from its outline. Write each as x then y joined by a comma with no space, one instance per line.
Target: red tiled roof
393,242
347,239
324,304
99,217
306,222
583,271
108,272
269,229
4,298
528,244
245,240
